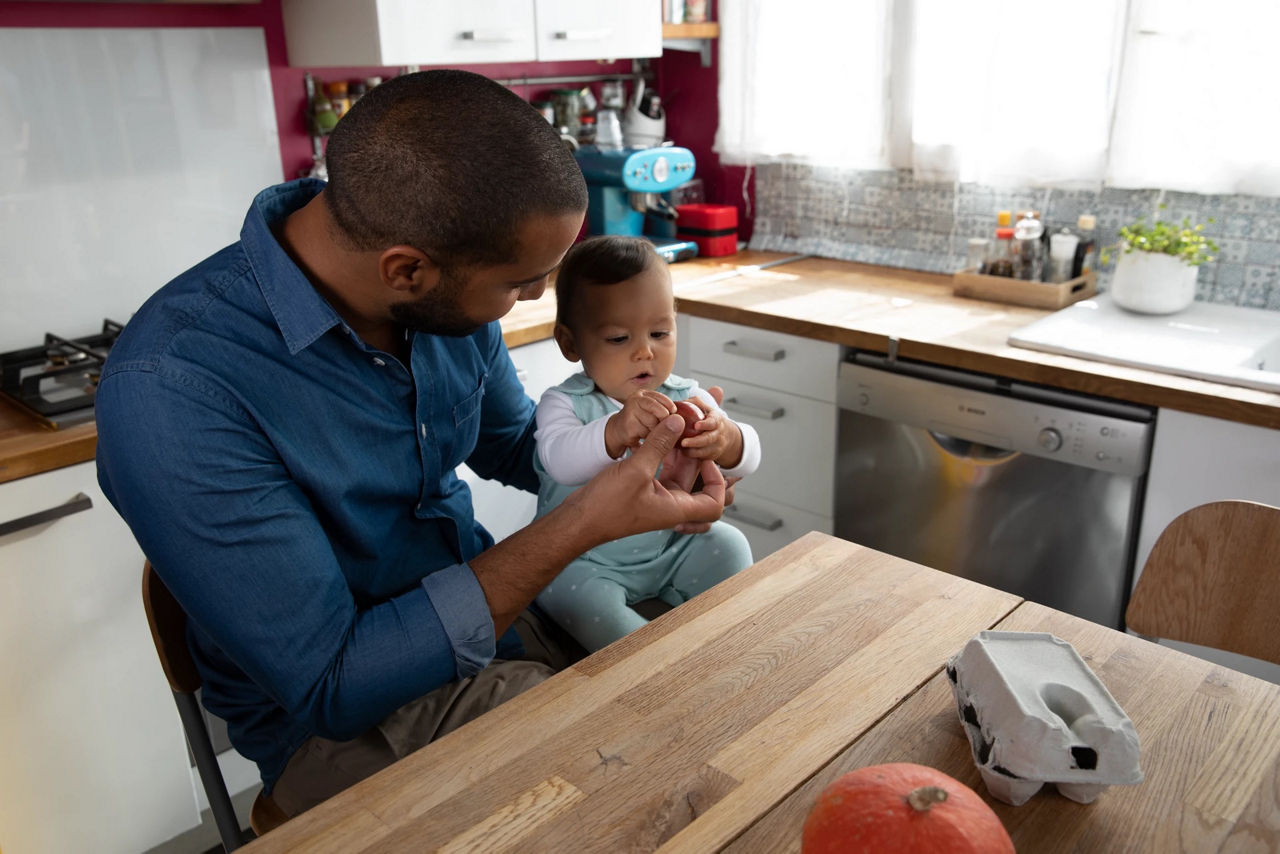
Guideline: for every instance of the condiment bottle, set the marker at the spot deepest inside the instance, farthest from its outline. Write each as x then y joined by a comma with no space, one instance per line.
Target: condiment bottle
1062,255
1086,250
1000,260
978,251
1028,250
338,97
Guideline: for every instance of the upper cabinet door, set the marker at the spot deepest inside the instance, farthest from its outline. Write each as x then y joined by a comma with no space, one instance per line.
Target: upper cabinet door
408,32
446,32
590,29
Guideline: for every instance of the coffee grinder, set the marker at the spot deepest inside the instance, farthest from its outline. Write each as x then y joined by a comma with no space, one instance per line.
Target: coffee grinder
624,186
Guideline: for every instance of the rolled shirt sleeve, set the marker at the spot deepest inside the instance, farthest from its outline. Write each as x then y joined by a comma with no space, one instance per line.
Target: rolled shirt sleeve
460,604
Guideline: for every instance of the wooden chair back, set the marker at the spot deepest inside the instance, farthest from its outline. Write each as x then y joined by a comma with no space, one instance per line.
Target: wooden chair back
1213,579
168,624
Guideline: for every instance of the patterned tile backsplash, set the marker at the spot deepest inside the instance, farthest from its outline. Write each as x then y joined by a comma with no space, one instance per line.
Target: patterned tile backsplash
886,217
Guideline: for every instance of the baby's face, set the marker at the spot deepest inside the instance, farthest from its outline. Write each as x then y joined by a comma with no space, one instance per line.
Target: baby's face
625,333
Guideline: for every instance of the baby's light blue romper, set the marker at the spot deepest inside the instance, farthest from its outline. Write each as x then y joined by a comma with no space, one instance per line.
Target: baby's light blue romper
591,598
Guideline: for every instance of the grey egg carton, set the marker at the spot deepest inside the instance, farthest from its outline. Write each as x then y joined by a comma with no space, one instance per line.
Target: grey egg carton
1035,713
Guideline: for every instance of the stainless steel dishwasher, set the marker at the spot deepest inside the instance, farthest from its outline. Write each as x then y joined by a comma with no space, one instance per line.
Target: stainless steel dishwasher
1024,488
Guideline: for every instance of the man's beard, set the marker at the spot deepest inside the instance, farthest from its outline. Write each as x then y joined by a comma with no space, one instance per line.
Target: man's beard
438,312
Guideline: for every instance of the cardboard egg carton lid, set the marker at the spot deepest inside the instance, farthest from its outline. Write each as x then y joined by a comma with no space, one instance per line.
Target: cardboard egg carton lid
1035,713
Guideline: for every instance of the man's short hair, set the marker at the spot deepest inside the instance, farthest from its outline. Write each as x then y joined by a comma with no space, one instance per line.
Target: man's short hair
604,260
449,162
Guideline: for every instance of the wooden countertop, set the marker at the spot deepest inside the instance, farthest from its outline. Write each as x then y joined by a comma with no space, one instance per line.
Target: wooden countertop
714,728
856,305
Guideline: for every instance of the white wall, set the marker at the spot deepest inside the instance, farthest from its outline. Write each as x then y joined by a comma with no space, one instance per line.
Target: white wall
126,156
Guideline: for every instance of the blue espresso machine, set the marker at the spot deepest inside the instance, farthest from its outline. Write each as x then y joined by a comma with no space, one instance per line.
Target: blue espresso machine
624,185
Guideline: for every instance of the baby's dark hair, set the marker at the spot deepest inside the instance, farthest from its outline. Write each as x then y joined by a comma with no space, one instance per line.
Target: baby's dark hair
604,260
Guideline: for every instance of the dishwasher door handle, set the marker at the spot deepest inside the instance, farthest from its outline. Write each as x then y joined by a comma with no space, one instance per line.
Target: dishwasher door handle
746,517
769,413
78,503
763,354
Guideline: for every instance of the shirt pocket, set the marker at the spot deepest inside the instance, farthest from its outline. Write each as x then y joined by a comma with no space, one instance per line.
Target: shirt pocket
466,425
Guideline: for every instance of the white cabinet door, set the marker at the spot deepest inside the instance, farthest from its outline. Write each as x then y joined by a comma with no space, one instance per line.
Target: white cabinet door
502,509
446,32
764,358
589,29
408,32
797,441
1195,460
769,525
92,754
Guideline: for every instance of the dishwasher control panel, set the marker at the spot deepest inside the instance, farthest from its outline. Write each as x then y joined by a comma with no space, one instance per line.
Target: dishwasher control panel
1005,416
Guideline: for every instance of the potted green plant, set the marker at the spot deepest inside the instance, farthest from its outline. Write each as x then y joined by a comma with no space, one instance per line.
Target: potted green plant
1157,265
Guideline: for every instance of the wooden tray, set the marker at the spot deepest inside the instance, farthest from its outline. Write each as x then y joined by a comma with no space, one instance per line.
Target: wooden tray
970,283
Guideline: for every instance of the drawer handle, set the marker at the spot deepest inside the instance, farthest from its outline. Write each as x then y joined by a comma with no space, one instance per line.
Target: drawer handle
487,36
769,413
746,517
78,502
764,354
582,35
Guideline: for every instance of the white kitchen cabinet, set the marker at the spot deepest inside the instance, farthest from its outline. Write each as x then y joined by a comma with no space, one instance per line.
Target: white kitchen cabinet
784,386
445,32
502,509
92,753
1195,460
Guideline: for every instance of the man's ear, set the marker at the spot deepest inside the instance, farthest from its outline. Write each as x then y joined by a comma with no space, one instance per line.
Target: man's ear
564,337
408,270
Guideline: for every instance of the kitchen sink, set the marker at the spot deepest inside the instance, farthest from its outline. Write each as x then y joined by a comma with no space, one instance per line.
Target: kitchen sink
1220,343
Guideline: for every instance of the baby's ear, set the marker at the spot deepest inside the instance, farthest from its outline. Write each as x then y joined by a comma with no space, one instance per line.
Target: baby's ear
564,337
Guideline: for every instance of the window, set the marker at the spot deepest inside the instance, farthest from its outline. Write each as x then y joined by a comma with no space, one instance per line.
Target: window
1139,93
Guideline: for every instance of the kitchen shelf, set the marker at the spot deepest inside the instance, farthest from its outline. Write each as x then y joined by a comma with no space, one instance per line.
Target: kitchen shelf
709,30
695,38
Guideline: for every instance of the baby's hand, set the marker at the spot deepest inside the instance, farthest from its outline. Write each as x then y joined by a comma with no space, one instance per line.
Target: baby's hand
718,439
640,413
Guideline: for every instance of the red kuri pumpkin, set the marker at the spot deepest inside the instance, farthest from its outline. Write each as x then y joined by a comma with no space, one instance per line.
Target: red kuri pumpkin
902,807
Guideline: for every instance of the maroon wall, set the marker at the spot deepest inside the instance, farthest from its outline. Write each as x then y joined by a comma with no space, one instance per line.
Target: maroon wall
688,89
691,94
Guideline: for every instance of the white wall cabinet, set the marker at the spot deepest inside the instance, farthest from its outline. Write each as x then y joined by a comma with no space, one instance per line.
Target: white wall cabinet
784,386
446,32
92,753
1195,460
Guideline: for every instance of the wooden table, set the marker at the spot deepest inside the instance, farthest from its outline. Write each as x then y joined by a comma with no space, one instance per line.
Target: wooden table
715,726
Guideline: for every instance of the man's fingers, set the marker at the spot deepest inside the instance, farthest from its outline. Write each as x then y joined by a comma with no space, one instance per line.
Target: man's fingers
717,394
661,439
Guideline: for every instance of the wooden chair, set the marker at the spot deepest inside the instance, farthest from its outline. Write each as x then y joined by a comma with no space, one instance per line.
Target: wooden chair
168,624
1213,579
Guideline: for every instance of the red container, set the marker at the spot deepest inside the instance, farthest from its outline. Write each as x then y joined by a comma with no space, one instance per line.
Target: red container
713,227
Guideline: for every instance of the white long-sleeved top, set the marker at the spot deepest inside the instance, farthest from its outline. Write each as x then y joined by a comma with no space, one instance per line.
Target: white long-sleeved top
573,452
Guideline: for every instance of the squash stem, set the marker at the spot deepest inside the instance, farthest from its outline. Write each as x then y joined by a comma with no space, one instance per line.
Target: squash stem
925,797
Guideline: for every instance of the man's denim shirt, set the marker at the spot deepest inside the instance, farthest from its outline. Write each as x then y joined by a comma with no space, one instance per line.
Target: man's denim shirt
295,489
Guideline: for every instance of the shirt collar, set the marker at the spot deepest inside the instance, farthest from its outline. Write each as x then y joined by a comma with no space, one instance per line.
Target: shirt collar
300,312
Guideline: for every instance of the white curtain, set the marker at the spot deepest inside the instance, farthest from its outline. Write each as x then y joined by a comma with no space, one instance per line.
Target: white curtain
804,80
1198,109
1012,92
1170,94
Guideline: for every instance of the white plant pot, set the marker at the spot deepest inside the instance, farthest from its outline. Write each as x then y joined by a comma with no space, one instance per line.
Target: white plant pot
1153,283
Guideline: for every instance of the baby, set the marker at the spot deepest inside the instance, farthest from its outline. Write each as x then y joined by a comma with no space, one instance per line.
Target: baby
616,314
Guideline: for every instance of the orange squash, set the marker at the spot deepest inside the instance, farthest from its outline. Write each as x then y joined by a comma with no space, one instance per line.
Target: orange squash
902,807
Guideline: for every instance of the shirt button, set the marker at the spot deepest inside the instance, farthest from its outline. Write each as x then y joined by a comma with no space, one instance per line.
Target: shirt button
379,362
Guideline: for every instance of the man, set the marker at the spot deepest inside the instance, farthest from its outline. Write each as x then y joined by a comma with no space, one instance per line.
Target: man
280,424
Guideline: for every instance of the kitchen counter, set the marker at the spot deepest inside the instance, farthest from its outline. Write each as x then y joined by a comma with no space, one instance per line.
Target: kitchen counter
856,305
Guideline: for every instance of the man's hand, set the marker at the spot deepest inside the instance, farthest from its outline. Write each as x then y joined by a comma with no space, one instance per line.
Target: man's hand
627,499
640,413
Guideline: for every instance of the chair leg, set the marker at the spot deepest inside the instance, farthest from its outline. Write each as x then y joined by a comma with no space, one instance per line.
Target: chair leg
215,787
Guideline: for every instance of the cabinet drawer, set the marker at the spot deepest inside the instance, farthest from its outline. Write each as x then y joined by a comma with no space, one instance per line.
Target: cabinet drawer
797,439
589,29
769,525
771,359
